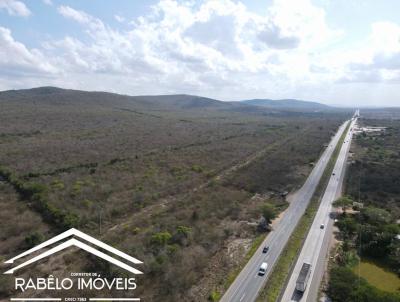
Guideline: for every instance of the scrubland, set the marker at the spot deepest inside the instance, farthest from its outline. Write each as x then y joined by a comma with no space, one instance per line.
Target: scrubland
172,180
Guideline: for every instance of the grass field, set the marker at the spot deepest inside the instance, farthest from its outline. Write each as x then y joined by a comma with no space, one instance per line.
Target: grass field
378,276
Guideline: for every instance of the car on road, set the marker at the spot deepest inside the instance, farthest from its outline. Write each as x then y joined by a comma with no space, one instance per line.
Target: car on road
322,226
265,249
263,269
333,174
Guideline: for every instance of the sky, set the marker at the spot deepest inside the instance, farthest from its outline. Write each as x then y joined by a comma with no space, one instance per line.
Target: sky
336,52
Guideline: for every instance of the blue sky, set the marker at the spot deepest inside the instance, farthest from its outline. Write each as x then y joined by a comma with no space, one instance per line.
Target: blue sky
333,51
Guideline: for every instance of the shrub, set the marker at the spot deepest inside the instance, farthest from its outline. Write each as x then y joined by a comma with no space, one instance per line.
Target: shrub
172,249
183,230
33,239
70,220
214,296
136,230
77,187
161,238
57,184
87,203
197,169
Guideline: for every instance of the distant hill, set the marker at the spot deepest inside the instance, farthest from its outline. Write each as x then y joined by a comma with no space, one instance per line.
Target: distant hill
287,104
54,96
183,101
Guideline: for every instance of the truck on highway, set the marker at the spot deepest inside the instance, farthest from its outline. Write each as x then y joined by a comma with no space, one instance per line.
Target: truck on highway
302,280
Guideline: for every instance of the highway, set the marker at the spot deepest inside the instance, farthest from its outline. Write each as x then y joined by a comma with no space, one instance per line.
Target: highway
316,245
248,283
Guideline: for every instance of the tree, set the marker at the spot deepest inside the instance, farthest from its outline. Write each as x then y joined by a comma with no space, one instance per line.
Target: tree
343,202
268,212
348,226
341,284
375,216
345,286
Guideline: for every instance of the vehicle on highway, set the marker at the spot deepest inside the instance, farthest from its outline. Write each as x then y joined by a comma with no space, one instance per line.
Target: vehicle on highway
263,269
302,280
265,249
333,174
322,226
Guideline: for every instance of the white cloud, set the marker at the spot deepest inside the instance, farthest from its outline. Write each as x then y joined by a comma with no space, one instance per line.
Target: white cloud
385,37
15,8
304,20
272,36
18,60
217,48
48,2
76,15
119,18
208,47
379,60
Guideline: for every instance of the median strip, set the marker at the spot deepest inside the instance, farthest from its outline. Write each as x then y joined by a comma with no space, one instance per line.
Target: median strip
281,271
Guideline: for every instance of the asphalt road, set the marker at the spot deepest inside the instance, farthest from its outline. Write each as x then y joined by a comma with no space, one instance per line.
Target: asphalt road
316,245
248,283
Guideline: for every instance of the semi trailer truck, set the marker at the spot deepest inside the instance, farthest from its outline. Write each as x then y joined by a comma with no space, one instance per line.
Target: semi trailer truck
302,280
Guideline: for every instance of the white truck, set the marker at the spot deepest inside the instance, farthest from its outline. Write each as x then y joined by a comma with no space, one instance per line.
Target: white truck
302,280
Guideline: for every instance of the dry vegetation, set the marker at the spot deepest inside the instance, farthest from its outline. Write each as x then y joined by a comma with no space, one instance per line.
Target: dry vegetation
368,244
170,178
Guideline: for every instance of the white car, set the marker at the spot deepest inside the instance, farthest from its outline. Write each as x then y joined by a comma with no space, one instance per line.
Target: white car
263,269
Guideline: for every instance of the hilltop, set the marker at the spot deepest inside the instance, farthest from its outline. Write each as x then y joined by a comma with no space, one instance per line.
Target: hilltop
287,104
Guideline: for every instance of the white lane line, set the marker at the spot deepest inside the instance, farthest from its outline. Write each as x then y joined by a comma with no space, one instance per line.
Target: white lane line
241,299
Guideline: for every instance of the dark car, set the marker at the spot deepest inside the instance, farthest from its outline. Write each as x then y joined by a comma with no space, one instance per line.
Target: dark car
265,249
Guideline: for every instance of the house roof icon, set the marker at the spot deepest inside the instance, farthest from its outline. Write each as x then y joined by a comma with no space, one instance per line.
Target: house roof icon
80,244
